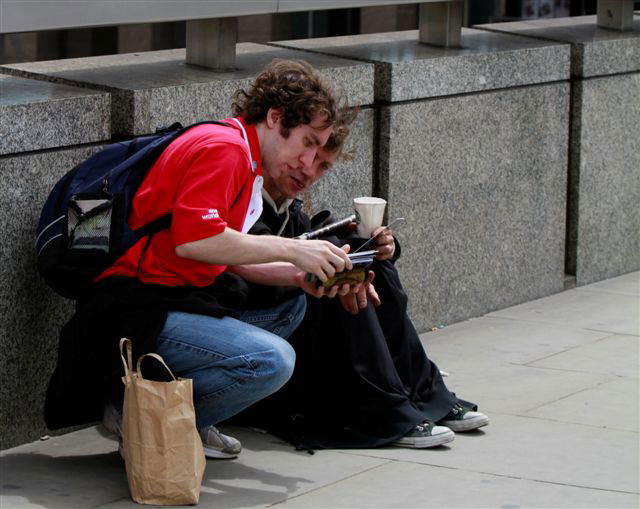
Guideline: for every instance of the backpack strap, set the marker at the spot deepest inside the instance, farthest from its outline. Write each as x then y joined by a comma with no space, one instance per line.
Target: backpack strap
159,224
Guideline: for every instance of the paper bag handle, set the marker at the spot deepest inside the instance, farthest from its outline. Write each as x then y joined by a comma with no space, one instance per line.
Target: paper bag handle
128,363
156,357
128,366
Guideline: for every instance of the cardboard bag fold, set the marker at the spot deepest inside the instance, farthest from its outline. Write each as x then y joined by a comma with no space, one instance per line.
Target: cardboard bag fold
163,452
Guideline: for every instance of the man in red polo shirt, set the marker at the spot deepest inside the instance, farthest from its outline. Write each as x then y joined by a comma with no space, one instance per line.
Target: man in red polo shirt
210,179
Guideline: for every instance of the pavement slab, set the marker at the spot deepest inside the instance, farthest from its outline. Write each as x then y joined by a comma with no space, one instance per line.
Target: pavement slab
611,405
599,310
628,284
511,388
539,450
83,469
488,340
621,353
77,470
411,485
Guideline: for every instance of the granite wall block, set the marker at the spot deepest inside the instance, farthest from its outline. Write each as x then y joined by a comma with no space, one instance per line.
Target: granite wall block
603,237
604,214
38,115
407,69
30,313
158,88
481,179
595,51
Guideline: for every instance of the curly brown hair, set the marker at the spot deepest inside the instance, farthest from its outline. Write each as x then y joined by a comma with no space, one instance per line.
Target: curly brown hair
292,86
340,132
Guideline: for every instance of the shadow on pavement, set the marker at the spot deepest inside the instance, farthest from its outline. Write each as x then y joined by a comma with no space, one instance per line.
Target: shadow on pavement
67,482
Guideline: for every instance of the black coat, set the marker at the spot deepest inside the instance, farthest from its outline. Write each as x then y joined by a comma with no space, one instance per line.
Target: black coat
89,366
360,381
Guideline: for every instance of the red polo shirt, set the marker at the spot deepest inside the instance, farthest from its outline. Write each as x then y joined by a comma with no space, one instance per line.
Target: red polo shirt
206,178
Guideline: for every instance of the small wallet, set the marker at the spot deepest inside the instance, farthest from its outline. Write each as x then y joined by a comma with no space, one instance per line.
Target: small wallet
361,263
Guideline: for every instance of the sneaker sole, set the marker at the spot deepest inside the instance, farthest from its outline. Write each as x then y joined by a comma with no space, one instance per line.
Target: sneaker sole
466,424
425,442
218,455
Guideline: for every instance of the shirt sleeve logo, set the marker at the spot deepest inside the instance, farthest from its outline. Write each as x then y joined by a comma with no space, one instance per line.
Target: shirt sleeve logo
211,214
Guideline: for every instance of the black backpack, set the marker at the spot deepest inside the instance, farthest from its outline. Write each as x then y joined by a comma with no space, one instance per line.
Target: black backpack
83,225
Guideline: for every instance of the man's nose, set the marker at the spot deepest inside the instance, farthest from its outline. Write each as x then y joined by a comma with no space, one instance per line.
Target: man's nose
307,158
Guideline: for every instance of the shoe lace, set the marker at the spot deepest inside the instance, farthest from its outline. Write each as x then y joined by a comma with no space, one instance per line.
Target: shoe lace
459,409
424,427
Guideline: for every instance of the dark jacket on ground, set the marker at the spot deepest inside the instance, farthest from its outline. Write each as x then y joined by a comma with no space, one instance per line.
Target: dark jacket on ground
89,366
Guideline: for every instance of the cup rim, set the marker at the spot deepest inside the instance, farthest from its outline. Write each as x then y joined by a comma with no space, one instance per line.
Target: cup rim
369,200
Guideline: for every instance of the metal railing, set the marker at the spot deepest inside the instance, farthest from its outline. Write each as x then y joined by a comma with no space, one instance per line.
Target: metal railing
212,24
211,33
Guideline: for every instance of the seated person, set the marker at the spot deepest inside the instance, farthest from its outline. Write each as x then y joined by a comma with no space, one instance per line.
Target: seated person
361,378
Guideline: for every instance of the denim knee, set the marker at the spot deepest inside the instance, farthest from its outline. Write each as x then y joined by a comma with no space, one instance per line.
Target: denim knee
276,366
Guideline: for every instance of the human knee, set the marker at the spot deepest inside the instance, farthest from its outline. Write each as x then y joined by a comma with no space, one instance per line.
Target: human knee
276,365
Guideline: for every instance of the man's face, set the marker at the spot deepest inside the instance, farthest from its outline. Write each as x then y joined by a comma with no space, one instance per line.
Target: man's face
292,163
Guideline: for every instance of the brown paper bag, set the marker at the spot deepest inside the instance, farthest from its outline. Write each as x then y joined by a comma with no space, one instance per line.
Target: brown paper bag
163,452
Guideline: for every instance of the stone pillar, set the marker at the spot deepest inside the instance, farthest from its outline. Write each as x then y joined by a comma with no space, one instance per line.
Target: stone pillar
441,23
603,237
211,43
472,150
615,14
45,130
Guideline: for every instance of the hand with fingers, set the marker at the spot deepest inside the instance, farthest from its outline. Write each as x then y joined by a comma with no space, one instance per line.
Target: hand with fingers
312,288
384,244
360,295
320,258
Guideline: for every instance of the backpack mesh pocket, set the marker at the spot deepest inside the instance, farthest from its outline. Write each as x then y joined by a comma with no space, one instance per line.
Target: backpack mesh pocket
89,224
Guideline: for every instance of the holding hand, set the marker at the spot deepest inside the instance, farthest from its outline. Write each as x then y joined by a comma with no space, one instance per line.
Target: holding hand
311,287
384,244
319,257
359,296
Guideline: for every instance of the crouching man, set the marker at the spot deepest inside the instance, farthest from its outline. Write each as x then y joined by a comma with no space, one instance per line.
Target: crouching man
171,292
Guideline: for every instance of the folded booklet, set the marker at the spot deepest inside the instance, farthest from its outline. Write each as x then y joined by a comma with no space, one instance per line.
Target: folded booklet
361,262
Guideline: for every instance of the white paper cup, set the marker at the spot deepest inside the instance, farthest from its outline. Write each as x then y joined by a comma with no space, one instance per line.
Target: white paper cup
369,212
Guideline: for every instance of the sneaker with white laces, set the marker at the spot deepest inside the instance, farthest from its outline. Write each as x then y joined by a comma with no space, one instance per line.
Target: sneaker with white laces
464,419
217,445
425,435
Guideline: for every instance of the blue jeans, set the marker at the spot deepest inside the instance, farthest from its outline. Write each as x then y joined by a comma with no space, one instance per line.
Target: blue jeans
233,363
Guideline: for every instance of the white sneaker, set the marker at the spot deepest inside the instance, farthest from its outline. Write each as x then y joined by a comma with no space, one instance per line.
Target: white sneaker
425,435
464,419
217,445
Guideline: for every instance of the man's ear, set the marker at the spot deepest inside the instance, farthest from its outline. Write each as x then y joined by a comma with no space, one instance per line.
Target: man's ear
274,115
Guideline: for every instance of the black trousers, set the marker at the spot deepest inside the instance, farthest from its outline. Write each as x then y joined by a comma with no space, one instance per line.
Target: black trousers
360,381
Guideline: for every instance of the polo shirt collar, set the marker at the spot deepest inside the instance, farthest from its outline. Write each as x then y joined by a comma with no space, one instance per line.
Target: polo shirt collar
254,145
